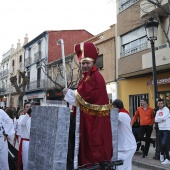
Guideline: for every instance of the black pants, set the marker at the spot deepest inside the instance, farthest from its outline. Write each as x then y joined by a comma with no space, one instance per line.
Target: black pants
146,131
164,134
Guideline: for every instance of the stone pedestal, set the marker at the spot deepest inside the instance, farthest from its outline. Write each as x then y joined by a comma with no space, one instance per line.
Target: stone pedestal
49,138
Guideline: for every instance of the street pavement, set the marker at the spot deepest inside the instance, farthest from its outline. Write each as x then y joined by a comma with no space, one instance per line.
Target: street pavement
149,162
134,167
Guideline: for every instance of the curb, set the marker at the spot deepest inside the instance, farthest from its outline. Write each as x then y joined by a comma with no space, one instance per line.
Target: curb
148,166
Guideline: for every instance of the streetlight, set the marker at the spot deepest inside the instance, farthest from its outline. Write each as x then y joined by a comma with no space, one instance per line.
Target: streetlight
61,42
151,27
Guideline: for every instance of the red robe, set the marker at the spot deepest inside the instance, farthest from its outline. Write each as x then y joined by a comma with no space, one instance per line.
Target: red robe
95,126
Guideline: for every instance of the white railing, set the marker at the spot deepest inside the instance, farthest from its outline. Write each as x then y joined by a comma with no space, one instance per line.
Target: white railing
135,50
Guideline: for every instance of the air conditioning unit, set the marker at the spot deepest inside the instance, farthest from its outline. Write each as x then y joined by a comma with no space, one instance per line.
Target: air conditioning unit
163,46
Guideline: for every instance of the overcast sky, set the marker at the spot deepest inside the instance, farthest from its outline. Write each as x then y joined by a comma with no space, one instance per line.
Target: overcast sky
18,17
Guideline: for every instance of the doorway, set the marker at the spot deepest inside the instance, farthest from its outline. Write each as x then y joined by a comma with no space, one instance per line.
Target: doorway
166,97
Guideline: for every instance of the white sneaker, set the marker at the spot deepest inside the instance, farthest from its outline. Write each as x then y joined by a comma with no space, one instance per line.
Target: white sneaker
166,162
161,158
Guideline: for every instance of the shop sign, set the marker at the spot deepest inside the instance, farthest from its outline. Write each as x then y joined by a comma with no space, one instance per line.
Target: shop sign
32,97
159,81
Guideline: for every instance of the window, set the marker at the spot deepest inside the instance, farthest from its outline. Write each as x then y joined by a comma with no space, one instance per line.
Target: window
13,63
134,42
134,101
60,79
19,79
99,62
39,50
39,77
39,46
20,58
6,83
29,52
3,84
50,74
28,85
124,4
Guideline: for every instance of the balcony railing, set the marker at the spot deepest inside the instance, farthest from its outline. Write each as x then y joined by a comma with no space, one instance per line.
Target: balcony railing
3,89
33,85
135,49
4,73
8,90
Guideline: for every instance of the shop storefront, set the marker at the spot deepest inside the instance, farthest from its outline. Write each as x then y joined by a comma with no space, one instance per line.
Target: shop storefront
165,95
54,94
131,90
36,97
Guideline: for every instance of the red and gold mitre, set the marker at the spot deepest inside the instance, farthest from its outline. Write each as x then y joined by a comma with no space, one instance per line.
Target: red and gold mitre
86,51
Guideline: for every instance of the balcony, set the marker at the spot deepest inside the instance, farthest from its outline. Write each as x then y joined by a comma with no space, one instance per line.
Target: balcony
162,58
146,7
28,62
141,62
37,56
4,73
3,89
134,50
36,85
10,90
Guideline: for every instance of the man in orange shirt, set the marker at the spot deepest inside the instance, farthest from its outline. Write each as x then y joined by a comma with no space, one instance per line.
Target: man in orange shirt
146,115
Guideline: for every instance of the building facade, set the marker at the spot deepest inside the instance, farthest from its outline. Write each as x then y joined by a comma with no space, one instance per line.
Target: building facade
16,65
4,79
12,62
42,55
134,57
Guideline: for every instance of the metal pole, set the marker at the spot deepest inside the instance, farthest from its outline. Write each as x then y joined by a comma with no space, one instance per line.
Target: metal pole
157,150
61,42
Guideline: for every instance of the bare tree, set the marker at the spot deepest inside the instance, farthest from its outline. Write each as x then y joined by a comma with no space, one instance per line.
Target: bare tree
72,71
20,88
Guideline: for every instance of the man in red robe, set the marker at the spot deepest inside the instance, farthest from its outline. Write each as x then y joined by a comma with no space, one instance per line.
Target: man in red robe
95,127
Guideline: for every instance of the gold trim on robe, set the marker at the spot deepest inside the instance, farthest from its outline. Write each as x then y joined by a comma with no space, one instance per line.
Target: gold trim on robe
92,109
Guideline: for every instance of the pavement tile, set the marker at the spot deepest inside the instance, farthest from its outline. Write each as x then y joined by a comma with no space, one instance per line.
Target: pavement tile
148,162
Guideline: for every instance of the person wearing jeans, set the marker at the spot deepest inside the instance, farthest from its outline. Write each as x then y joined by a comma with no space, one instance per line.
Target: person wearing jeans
163,119
146,115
